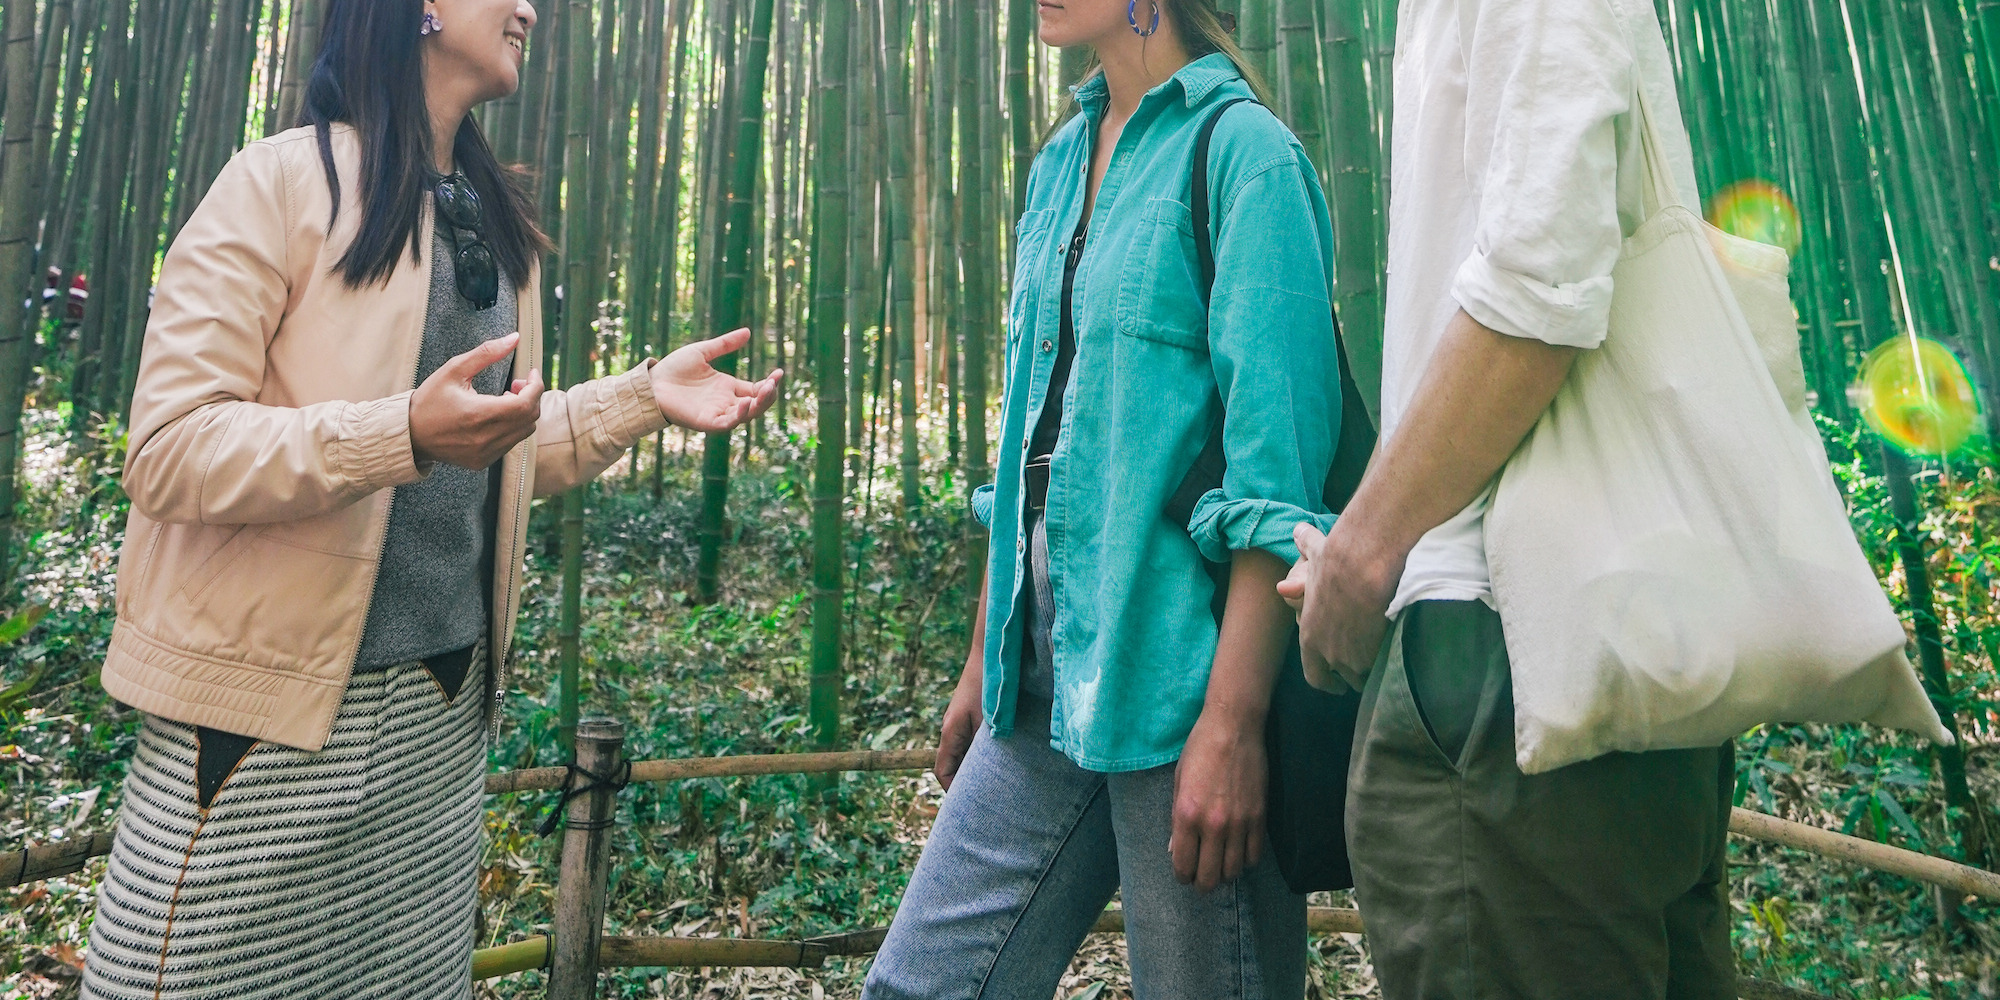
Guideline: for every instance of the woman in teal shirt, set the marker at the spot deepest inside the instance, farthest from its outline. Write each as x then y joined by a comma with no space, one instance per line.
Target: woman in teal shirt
1123,745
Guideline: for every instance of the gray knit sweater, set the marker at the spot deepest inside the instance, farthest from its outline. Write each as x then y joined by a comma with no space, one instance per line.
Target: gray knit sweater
431,595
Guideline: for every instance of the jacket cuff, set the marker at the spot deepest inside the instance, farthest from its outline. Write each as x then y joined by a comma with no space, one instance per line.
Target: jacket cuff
630,411
982,505
373,449
1221,526
1566,315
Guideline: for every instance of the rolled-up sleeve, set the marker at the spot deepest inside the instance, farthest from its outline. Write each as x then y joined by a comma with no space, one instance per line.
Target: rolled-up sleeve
1272,345
982,505
1545,80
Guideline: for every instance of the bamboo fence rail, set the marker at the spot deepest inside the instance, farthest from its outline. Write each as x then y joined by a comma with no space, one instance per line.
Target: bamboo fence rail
806,953
68,856
576,950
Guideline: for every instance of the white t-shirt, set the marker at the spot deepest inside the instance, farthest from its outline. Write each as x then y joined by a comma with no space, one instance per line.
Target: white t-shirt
1514,179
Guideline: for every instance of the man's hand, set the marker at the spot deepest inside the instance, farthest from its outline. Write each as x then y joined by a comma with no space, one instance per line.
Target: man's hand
1342,595
1480,395
694,395
454,423
1219,801
961,723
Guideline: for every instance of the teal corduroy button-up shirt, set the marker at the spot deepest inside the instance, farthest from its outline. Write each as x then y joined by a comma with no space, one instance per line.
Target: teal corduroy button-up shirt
1134,638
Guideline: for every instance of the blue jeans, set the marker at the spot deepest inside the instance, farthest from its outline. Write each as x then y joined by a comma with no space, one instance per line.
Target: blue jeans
1027,850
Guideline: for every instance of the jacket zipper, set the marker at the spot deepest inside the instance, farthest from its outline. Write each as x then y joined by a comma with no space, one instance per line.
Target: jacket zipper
501,665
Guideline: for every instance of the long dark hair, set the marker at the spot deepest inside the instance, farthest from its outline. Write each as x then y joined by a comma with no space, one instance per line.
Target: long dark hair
370,75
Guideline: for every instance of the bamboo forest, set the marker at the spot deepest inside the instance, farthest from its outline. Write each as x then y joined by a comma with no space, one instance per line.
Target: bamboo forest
774,618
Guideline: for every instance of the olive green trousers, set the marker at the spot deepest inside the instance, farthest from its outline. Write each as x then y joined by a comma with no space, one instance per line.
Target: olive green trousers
1605,879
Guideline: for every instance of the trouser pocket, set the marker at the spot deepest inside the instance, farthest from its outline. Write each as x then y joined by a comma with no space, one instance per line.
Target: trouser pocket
1448,659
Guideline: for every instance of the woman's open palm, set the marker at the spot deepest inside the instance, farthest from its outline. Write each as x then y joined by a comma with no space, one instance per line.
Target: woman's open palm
694,395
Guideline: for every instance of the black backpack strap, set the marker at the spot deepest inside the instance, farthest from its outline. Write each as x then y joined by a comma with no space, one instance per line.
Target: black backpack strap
1357,429
1206,472
1204,240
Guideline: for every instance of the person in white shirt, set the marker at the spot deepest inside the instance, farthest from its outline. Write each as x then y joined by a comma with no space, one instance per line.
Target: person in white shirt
1515,178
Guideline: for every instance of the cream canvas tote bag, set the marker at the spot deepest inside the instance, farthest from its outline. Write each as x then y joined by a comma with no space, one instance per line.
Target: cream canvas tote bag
1671,559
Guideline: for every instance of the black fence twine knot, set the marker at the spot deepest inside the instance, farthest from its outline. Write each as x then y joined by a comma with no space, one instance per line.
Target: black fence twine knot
571,789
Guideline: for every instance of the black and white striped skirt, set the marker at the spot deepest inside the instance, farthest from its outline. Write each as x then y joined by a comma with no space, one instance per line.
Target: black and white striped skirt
244,869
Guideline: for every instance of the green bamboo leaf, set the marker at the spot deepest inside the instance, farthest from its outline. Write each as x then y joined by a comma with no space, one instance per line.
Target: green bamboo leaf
14,628
20,689
1901,819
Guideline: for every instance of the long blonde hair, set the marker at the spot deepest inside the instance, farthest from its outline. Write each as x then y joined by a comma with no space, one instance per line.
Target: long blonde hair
1203,32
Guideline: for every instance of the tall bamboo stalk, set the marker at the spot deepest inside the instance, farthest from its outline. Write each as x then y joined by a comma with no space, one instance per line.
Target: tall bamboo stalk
576,253
902,220
1354,167
1303,90
301,48
110,93
733,309
830,212
973,245
863,274
1020,114
1257,28
18,168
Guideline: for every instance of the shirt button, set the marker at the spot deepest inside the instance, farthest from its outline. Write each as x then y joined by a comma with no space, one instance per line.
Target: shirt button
1047,346
1020,545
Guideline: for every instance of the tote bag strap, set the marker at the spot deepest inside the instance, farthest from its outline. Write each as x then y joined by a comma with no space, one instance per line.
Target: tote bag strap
1659,189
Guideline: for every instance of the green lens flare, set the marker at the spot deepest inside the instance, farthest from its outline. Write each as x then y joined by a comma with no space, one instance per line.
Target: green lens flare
1918,396
1757,210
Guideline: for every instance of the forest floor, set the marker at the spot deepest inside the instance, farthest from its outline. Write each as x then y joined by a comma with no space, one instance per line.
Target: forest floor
778,857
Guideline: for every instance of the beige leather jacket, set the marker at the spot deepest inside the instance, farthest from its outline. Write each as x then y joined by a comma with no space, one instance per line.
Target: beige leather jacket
269,423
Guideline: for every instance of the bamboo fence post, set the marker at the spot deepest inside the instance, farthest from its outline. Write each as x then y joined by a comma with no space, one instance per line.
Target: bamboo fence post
586,860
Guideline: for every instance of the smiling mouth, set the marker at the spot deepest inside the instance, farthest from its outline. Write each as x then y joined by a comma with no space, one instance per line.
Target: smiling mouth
517,43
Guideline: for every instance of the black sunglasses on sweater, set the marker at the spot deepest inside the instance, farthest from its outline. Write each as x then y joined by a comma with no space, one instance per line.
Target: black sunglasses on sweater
473,265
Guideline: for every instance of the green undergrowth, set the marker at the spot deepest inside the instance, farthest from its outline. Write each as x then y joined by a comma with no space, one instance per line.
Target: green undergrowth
791,856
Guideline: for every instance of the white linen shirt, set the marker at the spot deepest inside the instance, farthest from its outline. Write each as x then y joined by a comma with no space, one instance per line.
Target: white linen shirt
1515,177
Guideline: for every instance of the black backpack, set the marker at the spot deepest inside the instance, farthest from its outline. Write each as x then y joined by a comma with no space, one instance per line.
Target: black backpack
1309,734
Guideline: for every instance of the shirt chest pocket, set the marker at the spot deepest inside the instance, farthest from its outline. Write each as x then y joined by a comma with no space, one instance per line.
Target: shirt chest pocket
1159,285
1031,248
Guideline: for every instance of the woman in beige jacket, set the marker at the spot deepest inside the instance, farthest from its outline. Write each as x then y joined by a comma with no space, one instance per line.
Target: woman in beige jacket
336,431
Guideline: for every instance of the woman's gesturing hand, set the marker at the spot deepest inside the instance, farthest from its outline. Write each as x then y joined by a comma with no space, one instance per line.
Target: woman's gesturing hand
692,394
1218,802
452,422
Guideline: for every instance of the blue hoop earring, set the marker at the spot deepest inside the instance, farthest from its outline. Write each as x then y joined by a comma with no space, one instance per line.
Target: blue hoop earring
1132,16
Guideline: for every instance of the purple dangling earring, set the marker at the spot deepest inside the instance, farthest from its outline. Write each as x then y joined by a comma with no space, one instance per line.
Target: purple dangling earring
431,24
1132,16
